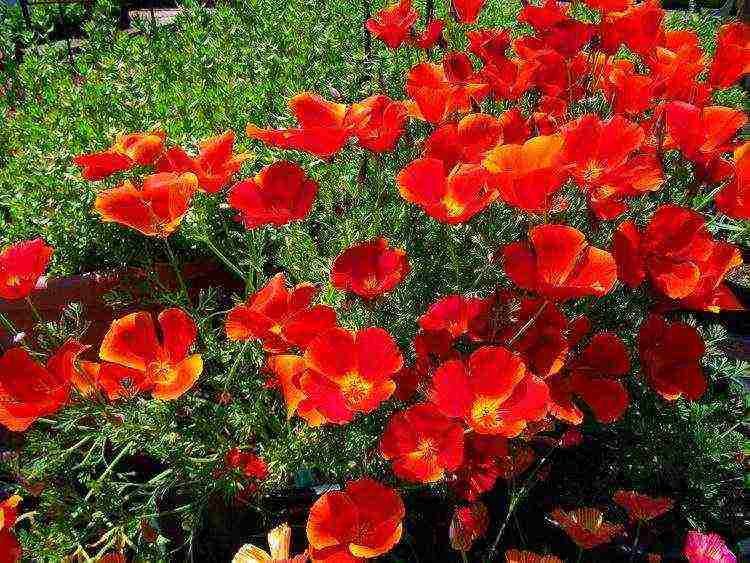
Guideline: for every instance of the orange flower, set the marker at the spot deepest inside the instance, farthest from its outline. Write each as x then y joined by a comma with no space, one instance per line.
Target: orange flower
490,45
734,199
361,522
135,358
641,507
377,122
639,28
431,36
288,370
422,443
156,208
321,132
628,92
484,461
450,198
21,266
280,318
493,393
531,172
559,264
279,542
392,25
466,142
586,526
29,390
516,556
544,17
467,11
455,314
732,58
670,358
214,166
135,149
468,524
279,194
369,269
350,372
10,548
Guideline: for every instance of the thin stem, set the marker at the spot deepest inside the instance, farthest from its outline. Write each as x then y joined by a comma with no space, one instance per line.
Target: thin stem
634,549
228,263
176,268
236,364
527,325
9,326
107,471
34,311
580,555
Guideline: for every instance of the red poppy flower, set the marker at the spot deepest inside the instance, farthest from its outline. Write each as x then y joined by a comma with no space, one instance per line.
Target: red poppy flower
531,172
466,142
247,463
451,198
490,45
370,269
377,122
732,57
321,131
707,548
214,166
289,370
493,392
29,390
516,128
544,17
279,317
21,266
629,93
10,548
155,208
454,314
431,36
640,28
637,176
134,149
641,507
422,443
606,6
407,380
516,556
279,194
484,462
468,524
361,522
467,11
676,69
586,526
350,372
559,264
161,364
734,199
392,25
671,358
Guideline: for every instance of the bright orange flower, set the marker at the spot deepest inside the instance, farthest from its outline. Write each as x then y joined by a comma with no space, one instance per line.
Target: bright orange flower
586,526
134,149
637,176
466,142
732,58
455,314
544,17
21,266
422,444
640,507
671,358
279,317
516,556
214,166
639,28
279,194
289,370
321,132
629,93
530,172
361,522
451,198
559,264
468,524
10,548
377,122
734,199
677,67
155,208
392,25
29,390
484,462
135,357
493,392
467,11
431,36
279,543
370,269
490,45
350,372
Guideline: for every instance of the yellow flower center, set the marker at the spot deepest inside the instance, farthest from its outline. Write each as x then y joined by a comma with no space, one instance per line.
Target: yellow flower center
160,371
592,171
354,388
276,329
13,281
486,412
452,207
426,449
370,283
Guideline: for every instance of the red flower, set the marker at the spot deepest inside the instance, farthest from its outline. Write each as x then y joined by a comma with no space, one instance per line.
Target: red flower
21,266
670,358
490,45
392,25
467,11
361,522
559,264
466,142
455,314
586,526
493,392
247,463
214,166
431,36
734,199
136,358
422,443
732,58
350,372
530,172
289,370
370,269
639,28
280,318
628,92
605,6
468,524
156,208
279,194
707,548
516,556
377,122
29,390
10,548
641,507
322,131
134,149
451,198
484,461
544,17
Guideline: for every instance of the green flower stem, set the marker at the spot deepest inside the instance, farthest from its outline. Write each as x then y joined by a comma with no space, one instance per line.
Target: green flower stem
107,471
34,310
178,273
228,263
9,326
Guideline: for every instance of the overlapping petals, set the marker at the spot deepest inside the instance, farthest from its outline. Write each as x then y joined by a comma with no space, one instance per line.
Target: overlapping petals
370,269
378,122
393,24
517,556
734,199
279,543
586,526
468,524
707,548
134,149
10,547
21,266
732,58
467,11
642,508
